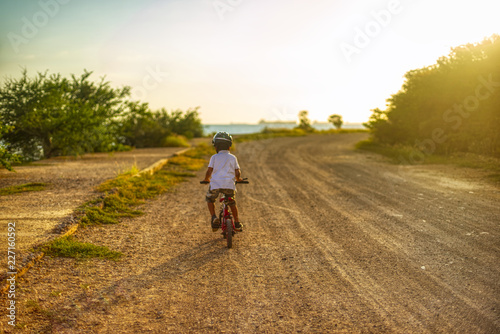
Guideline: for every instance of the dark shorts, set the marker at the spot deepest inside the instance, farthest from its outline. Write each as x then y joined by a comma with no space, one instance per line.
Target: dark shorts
213,194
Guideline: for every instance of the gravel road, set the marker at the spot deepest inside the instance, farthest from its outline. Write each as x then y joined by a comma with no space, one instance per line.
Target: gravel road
70,183
335,241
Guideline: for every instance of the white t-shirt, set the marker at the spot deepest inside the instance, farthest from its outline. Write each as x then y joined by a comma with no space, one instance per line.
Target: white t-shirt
224,165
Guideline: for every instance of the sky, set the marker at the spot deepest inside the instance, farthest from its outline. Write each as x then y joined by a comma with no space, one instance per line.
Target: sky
242,60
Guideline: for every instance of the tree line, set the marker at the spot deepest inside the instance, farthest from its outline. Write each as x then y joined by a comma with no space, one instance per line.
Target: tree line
50,115
449,107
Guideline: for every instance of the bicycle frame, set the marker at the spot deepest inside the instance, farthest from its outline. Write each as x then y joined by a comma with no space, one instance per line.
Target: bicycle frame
225,213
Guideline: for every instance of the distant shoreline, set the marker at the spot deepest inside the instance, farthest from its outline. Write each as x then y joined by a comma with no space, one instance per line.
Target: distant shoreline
279,123
242,128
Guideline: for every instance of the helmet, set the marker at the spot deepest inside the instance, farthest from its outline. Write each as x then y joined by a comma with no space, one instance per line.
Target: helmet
222,136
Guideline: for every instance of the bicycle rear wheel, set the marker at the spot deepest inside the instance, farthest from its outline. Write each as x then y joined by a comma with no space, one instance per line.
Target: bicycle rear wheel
229,232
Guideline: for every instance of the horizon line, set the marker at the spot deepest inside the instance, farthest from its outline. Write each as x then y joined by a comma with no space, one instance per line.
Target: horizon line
277,122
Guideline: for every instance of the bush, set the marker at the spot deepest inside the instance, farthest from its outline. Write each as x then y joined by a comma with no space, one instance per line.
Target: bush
448,107
6,158
70,247
175,141
144,128
52,115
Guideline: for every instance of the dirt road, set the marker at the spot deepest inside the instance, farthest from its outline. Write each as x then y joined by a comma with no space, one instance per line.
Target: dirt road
335,241
70,183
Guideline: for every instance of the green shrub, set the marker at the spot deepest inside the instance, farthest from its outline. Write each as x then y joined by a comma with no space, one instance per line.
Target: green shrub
70,247
27,187
145,128
6,158
175,141
447,107
52,115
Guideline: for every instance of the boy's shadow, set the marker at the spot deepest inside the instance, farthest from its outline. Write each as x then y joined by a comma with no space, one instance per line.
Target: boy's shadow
191,260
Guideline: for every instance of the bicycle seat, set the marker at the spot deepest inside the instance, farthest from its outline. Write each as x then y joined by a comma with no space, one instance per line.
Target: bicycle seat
226,198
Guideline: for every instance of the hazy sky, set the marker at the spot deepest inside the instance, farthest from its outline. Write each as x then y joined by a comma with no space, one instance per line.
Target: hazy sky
243,60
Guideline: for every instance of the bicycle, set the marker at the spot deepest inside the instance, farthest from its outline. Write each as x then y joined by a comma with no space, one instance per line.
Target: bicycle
225,216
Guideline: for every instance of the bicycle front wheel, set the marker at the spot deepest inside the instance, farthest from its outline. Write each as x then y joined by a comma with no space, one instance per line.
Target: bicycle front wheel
229,233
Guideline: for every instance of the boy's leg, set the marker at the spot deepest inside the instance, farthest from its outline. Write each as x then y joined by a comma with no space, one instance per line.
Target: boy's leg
238,226
211,208
234,210
211,196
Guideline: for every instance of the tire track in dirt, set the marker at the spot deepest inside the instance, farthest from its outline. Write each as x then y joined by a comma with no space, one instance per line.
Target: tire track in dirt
367,204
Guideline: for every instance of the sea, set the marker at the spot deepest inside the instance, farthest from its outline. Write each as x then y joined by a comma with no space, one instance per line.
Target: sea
253,128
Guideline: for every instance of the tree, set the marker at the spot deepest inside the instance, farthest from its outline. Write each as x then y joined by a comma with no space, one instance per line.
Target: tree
52,115
186,123
450,106
146,128
304,121
6,157
336,120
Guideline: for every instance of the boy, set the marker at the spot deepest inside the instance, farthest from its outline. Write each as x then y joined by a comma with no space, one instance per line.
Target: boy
223,170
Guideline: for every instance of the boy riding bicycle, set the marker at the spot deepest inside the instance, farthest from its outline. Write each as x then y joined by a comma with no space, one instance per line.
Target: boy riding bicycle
222,173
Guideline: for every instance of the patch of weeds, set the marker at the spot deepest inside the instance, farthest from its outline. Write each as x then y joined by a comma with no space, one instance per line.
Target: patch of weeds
130,189
97,216
267,133
175,141
199,151
149,186
131,171
186,162
22,188
124,193
180,174
69,247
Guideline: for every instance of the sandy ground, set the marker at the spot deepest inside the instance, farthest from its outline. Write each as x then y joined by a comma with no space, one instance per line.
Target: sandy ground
71,182
335,241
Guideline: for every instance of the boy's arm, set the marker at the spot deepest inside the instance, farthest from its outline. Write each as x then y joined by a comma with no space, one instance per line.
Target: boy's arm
237,173
208,174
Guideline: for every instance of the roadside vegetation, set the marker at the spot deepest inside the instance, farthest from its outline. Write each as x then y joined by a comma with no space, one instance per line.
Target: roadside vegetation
122,196
267,133
7,158
50,115
449,108
22,188
446,113
71,247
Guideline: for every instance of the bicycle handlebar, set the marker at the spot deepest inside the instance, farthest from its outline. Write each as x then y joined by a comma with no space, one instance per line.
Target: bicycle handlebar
245,181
